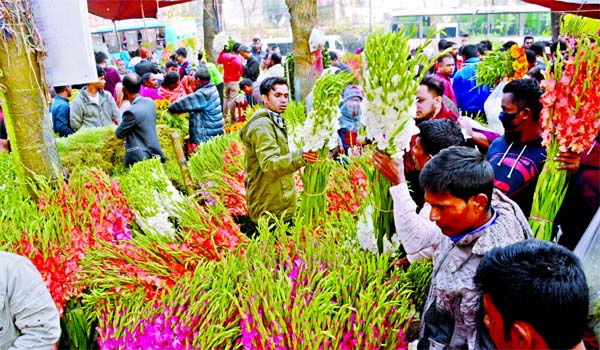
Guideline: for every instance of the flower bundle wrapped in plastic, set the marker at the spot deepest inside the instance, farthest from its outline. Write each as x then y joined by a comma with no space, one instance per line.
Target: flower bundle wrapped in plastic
152,196
496,65
391,84
570,122
320,135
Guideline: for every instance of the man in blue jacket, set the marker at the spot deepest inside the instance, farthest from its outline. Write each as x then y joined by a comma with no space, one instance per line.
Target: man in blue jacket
469,97
61,111
204,107
138,127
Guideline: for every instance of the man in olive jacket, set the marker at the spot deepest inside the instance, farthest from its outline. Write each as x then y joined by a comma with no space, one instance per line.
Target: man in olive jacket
269,164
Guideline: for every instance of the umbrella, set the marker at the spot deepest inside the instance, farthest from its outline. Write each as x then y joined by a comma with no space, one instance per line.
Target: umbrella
117,10
587,8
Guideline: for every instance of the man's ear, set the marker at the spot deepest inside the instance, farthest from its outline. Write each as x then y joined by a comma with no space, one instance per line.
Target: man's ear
524,336
525,114
480,201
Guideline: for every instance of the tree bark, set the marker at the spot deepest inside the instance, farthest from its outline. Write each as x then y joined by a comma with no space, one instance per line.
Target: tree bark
23,83
303,18
210,28
555,24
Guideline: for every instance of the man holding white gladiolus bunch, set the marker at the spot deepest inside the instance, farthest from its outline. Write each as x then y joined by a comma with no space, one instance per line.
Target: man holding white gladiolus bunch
391,83
269,164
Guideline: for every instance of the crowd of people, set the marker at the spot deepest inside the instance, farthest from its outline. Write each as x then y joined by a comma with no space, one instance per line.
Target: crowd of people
467,209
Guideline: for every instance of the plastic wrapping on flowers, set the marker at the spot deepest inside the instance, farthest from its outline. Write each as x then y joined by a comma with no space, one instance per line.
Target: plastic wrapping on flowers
390,88
152,197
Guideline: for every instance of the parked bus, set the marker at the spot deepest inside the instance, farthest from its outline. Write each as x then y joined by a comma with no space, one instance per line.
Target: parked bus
158,33
332,42
506,22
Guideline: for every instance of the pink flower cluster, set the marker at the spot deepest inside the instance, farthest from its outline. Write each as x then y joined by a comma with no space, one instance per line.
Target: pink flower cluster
172,329
96,211
570,103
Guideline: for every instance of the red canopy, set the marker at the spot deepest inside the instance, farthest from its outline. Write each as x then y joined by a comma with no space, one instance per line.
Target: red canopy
587,8
117,10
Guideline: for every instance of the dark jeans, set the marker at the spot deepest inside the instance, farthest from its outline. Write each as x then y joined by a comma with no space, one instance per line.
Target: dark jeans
220,90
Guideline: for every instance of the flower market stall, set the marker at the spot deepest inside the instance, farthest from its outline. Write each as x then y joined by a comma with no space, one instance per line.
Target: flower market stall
133,261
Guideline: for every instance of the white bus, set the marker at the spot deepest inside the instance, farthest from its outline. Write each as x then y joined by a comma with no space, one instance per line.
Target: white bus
507,22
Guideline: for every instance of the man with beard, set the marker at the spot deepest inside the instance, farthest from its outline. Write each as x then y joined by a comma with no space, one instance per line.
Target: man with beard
518,157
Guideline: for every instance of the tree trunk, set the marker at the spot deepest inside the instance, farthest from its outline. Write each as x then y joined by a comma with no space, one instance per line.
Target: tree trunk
23,83
303,18
555,24
210,28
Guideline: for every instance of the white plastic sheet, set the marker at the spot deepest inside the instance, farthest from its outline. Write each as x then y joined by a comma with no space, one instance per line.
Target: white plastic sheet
64,28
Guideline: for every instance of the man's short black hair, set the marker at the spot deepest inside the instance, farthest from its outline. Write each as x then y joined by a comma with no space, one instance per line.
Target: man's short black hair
333,56
526,94
181,52
442,57
439,134
269,84
200,55
481,49
469,51
507,45
146,77
540,283
488,44
59,89
132,83
434,85
100,57
202,74
170,64
245,82
527,37
459,171
442,44
538,47
100,71
170,78
560,44
275,58
531,58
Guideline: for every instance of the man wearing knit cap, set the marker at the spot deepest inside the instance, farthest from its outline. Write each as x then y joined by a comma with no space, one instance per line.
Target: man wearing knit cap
252,67
349,119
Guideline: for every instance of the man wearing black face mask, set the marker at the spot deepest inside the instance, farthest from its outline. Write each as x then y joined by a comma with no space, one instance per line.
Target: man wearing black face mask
518,157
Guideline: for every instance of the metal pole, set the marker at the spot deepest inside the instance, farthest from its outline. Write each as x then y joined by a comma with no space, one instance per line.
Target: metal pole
117,36
370,16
